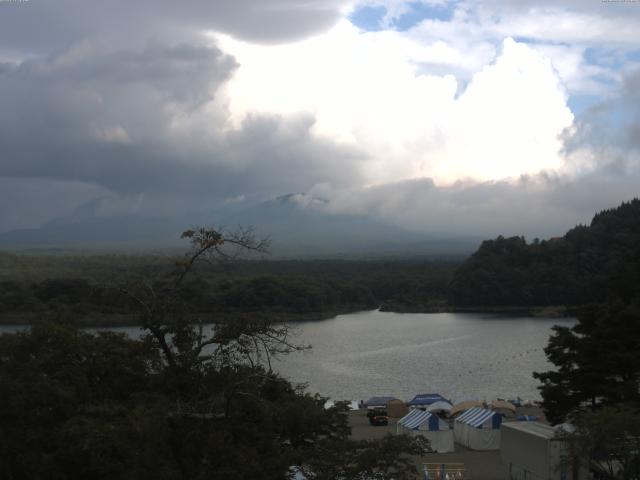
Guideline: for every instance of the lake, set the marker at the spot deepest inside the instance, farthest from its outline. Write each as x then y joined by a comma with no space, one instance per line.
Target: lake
460,355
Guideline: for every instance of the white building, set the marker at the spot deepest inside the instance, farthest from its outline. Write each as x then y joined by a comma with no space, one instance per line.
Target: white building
531,451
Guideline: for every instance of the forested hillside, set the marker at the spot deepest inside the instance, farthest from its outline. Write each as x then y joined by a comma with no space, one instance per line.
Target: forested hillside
585,265
90,288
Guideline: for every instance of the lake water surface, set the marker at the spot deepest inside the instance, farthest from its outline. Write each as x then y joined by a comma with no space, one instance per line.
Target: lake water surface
460,355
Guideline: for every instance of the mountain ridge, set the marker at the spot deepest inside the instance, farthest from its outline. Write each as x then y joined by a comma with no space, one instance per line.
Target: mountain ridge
298,225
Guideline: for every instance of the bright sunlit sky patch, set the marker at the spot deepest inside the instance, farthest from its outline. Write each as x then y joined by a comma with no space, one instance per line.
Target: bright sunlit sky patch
447,90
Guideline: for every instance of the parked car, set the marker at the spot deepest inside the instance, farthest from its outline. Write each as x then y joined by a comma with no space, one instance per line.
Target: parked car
379,420
376,411
378,416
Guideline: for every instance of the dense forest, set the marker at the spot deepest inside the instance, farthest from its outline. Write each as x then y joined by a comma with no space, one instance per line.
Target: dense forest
585,265
90,288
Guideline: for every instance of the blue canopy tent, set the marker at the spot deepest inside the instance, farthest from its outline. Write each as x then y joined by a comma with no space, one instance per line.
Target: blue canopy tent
426,399
478,429
430,426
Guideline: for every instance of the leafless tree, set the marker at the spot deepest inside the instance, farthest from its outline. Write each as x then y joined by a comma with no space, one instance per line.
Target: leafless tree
183,338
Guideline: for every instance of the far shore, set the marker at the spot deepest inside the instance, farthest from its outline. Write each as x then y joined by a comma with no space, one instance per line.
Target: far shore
111,320
548,311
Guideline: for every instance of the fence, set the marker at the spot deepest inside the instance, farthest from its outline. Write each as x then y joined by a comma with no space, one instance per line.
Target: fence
443,471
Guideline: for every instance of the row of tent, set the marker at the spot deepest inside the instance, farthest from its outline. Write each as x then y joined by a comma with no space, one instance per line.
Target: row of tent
477,428
434,402
420,400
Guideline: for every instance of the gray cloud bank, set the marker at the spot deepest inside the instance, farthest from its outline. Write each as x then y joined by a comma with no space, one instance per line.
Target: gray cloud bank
534,206
125,103
144,124
45,26
148,122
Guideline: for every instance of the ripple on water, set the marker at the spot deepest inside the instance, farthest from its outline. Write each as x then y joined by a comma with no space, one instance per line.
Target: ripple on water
459,355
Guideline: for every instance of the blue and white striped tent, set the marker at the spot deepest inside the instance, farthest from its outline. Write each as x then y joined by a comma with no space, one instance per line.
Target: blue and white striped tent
478,429
478,417
430,426
421,420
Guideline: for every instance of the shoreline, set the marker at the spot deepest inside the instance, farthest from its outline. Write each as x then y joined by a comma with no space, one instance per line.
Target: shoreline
106,320
548,311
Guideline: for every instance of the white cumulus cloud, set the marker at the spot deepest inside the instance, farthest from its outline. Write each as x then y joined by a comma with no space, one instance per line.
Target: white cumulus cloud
373,91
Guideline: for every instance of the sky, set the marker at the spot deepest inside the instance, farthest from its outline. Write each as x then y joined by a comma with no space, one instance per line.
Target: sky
440,116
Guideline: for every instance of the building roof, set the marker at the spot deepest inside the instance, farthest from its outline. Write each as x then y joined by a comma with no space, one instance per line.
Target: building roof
534,428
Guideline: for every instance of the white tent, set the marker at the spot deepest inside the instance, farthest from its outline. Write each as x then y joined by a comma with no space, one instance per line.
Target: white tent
428,425
440,406
478,429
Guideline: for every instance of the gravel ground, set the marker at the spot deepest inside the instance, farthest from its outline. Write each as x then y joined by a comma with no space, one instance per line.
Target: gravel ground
478,465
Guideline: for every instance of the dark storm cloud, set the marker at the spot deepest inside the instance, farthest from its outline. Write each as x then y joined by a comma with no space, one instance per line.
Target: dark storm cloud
102,117
49,26
148,123
114,119
123,97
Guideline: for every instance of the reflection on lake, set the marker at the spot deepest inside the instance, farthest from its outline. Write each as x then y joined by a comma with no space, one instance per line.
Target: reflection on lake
468,355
